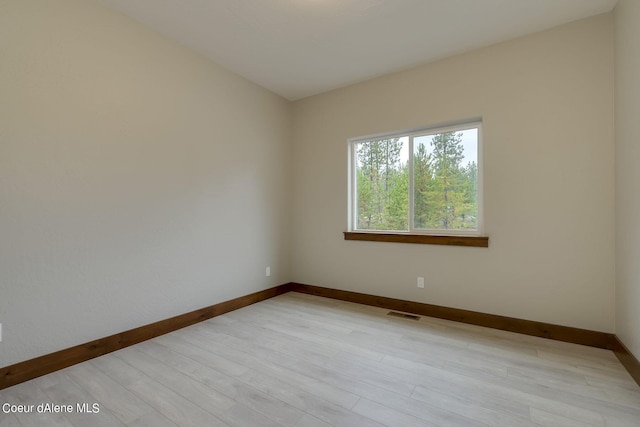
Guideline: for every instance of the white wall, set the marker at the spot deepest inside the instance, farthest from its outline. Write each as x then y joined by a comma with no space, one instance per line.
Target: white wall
547,104
627,20
137,180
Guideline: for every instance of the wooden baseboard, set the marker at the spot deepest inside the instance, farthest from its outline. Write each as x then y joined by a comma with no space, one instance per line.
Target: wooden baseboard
628,360
528,327
30,369
521,326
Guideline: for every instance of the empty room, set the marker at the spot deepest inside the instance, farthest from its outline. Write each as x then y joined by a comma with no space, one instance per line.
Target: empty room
316,213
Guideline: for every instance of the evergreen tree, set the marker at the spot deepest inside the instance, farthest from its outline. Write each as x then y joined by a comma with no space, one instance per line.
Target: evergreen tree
422,186
444,190
398,204
382,185
447,153
469,209
446,196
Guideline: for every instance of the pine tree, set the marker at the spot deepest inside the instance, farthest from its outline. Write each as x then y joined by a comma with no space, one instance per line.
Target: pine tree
446,195
469,208
382,185
444,190
422,187
398,204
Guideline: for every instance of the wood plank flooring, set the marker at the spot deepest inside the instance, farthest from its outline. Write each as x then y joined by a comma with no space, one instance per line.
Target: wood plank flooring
304,361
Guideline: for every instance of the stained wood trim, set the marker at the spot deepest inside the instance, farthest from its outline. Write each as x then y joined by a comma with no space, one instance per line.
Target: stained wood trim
30,369
628,360
521,326
475,241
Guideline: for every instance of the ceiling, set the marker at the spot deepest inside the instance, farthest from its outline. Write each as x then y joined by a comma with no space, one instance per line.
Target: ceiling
298,48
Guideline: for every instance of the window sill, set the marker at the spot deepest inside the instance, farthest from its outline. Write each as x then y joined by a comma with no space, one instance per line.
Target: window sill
474,241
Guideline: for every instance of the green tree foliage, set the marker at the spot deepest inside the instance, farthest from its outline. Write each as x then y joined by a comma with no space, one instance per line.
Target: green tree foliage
444,190
422,187
383,186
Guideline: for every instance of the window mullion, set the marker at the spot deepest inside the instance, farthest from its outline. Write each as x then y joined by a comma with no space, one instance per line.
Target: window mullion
410,223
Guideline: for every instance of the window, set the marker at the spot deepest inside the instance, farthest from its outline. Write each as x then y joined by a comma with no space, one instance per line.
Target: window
425,181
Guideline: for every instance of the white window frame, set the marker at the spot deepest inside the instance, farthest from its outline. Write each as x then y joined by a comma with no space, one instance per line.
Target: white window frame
412,134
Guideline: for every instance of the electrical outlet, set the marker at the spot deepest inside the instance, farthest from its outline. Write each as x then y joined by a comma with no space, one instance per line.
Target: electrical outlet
421,282
268,272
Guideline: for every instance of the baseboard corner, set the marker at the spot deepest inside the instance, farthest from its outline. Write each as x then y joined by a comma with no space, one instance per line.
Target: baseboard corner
628,360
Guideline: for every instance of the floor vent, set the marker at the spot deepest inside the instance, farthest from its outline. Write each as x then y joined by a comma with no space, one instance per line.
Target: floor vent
403,315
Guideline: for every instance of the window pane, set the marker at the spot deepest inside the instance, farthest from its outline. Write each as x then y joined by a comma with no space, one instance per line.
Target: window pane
382,184
445,180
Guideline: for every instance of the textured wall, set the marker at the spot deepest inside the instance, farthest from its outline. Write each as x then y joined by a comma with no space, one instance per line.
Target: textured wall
547,104
627,20
137,180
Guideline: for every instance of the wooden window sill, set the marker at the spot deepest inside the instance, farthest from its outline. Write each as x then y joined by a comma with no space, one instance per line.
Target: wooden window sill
475,241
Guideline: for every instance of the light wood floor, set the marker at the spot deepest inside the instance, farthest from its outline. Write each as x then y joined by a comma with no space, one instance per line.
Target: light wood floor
298,360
